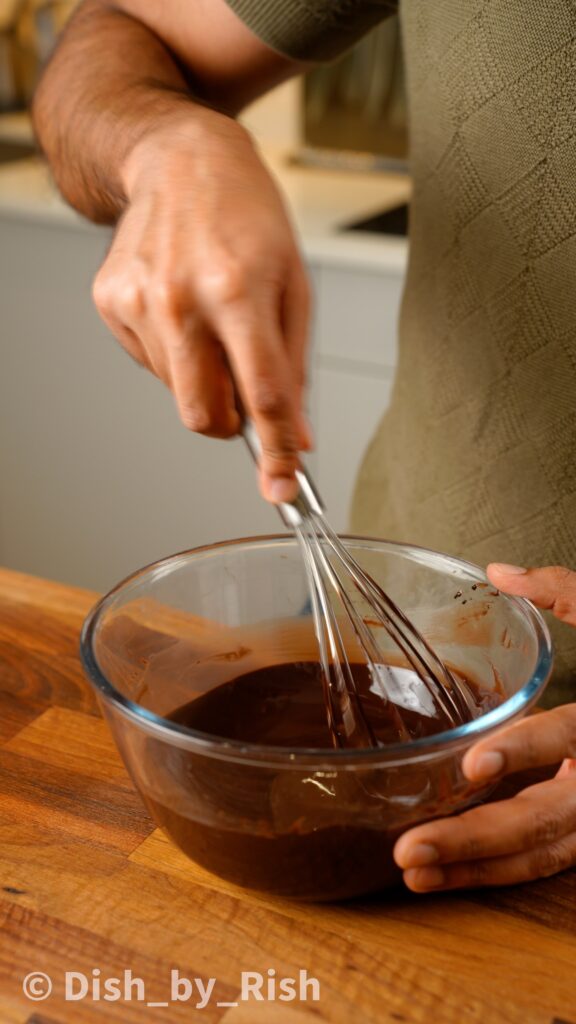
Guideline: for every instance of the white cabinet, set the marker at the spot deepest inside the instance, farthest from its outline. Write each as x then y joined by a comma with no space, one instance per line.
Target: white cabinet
358,312
349,408
353,369
97,476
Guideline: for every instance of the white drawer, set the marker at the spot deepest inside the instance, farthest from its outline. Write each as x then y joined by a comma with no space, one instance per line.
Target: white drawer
357,315
348,410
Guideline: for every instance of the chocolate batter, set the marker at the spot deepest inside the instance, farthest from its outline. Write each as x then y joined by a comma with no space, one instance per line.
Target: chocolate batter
283,706
291,831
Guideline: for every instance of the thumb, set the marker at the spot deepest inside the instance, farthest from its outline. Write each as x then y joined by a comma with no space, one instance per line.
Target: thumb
534,742
552,587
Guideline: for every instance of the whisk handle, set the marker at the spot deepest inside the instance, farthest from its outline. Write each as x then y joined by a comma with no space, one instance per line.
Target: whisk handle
306,503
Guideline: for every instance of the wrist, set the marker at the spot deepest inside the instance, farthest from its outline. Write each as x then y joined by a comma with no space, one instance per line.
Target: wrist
182,129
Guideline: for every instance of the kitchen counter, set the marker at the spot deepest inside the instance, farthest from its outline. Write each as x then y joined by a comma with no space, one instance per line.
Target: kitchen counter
90,885
320,202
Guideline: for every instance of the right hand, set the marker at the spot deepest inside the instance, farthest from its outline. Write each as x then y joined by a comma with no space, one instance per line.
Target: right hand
204,286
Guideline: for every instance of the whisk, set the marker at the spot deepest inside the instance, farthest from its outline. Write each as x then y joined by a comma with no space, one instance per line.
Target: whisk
331,570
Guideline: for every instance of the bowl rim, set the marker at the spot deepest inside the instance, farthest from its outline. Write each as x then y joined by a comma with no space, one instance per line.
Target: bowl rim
396,753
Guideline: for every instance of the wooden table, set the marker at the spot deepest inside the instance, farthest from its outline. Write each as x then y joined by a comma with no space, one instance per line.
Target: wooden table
89,884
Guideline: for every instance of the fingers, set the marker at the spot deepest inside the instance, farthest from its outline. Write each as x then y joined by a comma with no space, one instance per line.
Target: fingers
538,815
532,835
296,309
534,742
552,587
510,870
117,300
199,377
216,312
261,369
154,327
529,836
157,327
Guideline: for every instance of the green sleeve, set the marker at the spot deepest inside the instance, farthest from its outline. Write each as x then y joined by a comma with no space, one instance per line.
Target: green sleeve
311,30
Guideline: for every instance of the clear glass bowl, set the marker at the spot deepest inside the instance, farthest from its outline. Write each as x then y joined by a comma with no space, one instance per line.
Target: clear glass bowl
316,824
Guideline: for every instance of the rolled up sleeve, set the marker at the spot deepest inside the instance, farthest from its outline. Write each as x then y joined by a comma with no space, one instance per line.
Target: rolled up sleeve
311,30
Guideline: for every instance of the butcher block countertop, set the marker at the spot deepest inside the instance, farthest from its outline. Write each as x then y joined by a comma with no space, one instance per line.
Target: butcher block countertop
90,886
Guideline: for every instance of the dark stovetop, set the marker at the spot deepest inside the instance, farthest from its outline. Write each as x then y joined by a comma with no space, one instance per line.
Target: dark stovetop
389,222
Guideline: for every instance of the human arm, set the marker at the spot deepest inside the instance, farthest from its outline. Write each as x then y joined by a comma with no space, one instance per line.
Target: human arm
203,284
534,833
134,114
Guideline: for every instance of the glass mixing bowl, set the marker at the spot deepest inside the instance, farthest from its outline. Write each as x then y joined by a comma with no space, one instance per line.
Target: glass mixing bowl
317,824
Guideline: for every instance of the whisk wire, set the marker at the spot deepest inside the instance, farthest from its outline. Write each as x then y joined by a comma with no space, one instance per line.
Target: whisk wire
412,644
346,716
363,634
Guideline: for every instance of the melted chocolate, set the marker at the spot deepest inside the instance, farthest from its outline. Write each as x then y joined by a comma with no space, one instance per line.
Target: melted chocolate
291,831
283,706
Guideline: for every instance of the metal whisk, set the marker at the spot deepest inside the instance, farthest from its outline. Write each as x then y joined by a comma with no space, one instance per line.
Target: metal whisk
331,569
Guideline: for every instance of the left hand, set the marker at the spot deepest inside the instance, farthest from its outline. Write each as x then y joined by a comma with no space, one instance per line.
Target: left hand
533,834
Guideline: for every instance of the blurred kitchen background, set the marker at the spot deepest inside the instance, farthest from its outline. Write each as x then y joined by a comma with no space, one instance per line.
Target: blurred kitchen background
97,476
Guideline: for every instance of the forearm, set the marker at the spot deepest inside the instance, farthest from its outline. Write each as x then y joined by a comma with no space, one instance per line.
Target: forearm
203,283
109,83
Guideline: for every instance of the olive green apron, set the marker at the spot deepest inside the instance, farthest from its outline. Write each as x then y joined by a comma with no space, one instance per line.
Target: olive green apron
476,454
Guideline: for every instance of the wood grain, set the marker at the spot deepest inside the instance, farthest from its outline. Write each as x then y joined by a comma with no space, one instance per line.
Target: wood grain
87,883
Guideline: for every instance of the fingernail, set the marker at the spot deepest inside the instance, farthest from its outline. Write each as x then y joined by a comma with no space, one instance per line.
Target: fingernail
491,763
282,488
420,855
426,878
509,570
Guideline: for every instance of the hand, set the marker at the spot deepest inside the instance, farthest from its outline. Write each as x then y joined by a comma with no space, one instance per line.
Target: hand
204,286
534,833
